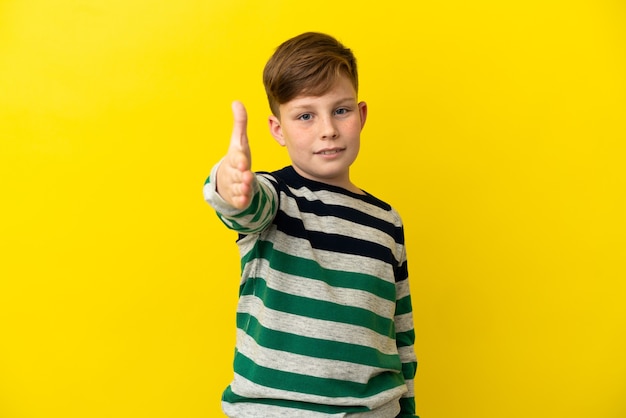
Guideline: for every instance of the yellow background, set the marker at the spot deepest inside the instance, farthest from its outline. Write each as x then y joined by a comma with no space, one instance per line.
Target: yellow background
496,128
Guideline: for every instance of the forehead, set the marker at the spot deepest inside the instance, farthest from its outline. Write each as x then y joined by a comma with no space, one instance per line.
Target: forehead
340,91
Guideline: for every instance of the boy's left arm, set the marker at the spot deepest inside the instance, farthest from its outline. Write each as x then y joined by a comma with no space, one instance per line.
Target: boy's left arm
405,339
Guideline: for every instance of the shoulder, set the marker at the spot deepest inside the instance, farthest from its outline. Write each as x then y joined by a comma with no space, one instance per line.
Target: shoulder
385,208
283,177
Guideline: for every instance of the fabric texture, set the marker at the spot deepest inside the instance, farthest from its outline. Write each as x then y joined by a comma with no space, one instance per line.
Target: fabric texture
324,319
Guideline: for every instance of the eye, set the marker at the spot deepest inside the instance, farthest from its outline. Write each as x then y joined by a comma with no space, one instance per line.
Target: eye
305,116
342,111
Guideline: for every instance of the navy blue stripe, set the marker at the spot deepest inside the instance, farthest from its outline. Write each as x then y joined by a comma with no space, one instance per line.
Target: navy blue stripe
333,242
320,208
401,272
290,176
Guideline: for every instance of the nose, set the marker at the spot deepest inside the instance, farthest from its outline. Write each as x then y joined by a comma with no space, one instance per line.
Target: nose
329,129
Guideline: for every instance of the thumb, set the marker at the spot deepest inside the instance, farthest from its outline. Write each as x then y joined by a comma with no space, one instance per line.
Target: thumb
240,125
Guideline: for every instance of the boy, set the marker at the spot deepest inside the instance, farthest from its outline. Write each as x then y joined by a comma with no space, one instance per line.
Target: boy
324,320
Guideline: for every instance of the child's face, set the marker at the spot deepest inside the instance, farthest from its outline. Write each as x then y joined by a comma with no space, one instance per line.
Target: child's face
322,133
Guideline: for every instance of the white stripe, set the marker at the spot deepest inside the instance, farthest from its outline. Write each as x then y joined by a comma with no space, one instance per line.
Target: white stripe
411,387
335,225
304,365
407,354
332,198
402,289
300,247
320,290
404,322
255,410
315,328
248,389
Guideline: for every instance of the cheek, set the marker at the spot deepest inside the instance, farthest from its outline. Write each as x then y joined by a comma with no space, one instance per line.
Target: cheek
299,137
354,126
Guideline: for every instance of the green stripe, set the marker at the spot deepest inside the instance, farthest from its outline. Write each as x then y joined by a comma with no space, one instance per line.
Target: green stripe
330,388
258,201
231,397
312,347
310,269
229,222
403,305
263,201
251,209
253,218
409,369
407,406
317,309
405,339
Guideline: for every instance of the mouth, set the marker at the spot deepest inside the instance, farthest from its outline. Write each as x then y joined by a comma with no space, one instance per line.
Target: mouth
330,151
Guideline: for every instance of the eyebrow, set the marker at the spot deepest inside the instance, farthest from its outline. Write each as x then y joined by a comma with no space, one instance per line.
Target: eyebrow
337,102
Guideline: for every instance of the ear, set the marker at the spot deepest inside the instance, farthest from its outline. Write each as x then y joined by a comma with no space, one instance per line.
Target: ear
363,113
276,130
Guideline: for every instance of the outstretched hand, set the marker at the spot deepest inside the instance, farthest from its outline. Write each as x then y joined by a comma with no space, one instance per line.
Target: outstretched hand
234,175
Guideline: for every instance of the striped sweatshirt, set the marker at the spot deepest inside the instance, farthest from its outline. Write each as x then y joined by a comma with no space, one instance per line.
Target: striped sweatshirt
324,318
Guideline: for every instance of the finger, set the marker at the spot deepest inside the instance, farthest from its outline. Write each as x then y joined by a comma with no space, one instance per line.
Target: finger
240,124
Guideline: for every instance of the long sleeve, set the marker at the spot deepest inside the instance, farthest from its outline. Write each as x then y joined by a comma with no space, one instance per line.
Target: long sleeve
256,217
405,338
